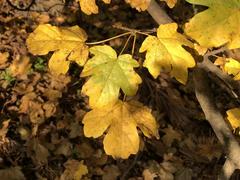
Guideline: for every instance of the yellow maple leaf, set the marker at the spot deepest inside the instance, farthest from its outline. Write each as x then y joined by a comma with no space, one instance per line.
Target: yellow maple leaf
232,66
233,116
140,5
89,6
122,121
217,25
108,74
170,3
67,42
165,52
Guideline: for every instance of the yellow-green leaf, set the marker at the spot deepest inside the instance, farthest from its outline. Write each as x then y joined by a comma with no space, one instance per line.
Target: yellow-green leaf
89,6
217,25
66,42
165,52
108,74
233,116
121,122
232,66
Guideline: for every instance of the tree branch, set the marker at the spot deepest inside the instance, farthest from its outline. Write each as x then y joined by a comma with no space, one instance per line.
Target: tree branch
206,100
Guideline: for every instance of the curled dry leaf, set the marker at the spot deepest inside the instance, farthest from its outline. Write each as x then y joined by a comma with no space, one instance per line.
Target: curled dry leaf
122,121
217,25
165,52
108,74
66,42
89,6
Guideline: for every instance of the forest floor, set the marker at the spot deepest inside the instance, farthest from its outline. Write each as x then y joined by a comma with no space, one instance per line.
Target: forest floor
41,134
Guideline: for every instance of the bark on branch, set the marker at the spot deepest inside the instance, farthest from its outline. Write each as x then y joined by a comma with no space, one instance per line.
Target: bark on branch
205,98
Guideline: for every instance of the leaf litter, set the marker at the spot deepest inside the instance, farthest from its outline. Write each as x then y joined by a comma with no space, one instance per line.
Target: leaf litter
42,134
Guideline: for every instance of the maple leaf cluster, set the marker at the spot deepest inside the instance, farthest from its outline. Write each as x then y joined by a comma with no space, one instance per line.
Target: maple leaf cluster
108,72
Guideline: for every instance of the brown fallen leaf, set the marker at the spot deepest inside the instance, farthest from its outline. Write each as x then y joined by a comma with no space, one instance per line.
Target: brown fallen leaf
20,67
111,172
75,170
170,136
12,173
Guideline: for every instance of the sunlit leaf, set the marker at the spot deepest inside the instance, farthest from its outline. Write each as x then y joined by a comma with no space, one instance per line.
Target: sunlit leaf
217,25
66,42
170,3
108,74
233,116
121,122
232,66
89,6
165,52
140,5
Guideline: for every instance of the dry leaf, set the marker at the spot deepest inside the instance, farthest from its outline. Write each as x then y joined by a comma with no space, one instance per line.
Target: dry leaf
12,173
20,67
111,172
3,57
75,170
170,136
4,129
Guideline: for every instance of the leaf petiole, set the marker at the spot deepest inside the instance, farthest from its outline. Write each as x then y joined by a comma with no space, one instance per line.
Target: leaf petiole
109,39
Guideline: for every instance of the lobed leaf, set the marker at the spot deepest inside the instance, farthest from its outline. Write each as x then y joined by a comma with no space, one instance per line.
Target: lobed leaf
67,44
121,122
217,25
165,52
89,6
108,74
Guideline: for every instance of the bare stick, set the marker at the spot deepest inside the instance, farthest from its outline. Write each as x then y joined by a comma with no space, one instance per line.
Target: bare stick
158,14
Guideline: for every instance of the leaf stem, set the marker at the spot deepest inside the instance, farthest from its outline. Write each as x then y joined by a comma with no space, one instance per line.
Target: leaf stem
134,43
125,45
109,39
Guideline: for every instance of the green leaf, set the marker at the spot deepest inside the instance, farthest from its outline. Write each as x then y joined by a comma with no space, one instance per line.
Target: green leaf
108,74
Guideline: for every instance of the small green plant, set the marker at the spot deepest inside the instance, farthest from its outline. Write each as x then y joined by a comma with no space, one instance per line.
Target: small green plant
7,76
39,64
